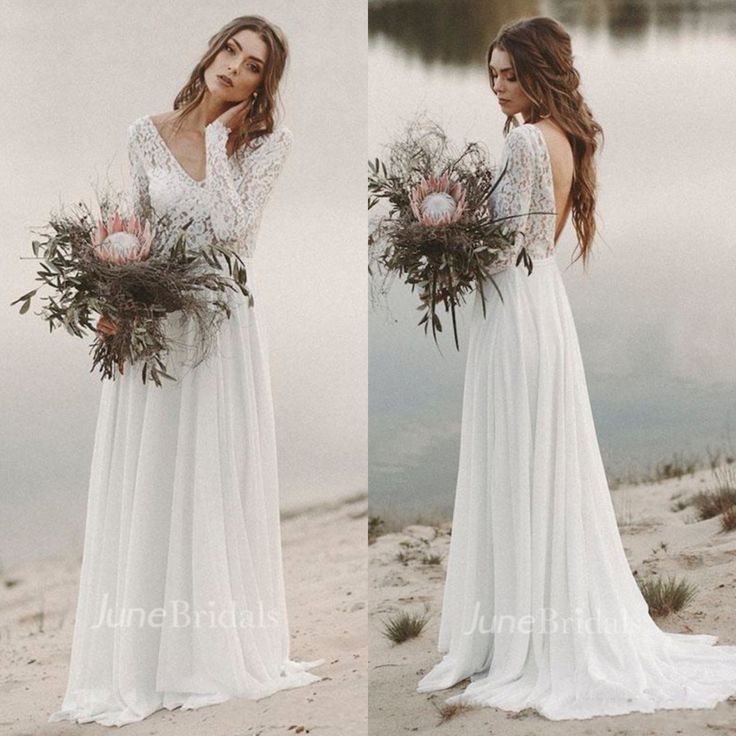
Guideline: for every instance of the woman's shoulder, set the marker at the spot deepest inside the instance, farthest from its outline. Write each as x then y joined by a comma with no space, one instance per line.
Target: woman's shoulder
524,135
523,142
139,126
140,121
143,123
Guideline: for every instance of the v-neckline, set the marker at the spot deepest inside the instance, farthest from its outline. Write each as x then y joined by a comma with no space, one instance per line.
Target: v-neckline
170,153
552,183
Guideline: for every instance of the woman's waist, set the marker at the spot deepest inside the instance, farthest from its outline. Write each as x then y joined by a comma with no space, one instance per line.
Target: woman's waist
542,259
537,261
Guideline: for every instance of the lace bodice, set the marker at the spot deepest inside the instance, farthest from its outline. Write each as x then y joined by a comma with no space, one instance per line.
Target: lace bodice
526,187
226,206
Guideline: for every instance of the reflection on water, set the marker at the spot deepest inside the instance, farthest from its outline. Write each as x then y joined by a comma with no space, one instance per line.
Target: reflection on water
458,32
655,312
440,31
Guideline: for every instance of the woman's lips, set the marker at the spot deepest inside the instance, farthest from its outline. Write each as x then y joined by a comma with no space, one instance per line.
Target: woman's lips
225,80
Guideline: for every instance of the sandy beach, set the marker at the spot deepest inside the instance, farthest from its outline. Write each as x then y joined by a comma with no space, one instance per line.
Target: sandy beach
324,564
658,539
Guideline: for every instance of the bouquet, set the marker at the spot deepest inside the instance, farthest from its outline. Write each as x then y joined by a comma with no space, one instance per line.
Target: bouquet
135,274
438,233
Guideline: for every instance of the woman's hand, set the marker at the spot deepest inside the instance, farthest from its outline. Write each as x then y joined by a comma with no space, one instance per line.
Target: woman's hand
105,326
235,114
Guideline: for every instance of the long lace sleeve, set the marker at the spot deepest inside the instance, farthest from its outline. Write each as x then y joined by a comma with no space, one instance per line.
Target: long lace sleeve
511,201
239,188
141,200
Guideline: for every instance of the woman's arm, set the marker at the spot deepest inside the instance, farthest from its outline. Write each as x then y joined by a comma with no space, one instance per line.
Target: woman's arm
240,194
140,195
513,195
141,202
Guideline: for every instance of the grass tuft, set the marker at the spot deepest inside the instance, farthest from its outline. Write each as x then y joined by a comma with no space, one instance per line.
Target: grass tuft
679,465
680,504
376,528
403,626
404,556
728,519
666,596
447,711
712,503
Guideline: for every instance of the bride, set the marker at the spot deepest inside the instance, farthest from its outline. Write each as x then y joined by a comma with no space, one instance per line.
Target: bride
540,607
181,600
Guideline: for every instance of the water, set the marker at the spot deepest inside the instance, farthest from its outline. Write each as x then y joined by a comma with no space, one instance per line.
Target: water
655,312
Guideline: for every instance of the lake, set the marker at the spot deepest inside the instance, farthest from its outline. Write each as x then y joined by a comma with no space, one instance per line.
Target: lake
655,311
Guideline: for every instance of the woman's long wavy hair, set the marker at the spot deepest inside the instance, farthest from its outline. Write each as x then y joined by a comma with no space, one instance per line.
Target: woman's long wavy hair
262,115
541,56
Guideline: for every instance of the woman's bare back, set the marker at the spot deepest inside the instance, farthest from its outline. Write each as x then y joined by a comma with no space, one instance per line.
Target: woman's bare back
563,169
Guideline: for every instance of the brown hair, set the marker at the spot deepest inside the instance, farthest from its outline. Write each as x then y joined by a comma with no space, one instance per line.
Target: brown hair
541,56
261,117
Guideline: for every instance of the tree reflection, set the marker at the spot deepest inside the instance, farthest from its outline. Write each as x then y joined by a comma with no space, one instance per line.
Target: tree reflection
457,32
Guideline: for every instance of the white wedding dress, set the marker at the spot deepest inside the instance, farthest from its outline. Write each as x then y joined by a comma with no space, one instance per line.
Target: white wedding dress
181,599
541,609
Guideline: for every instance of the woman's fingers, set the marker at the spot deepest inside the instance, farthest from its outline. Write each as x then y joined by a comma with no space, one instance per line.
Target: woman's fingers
233,113
106,326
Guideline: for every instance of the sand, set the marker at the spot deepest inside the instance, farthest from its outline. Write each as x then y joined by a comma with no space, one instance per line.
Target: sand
325,572
693,549
325,568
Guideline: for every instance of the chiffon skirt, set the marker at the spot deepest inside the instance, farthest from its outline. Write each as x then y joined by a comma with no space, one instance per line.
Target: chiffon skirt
181,599
540,606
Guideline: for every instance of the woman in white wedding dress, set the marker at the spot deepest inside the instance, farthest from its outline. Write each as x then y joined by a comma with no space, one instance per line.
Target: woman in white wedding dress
540,608
181,600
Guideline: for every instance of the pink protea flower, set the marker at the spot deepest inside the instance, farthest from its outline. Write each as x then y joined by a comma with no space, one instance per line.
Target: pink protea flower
437,201
122,241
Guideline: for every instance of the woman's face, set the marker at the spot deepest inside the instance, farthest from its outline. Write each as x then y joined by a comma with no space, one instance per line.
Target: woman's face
242,60
511,97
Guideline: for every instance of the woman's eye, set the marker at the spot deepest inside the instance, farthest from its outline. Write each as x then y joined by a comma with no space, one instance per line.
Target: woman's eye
229,47
511,79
